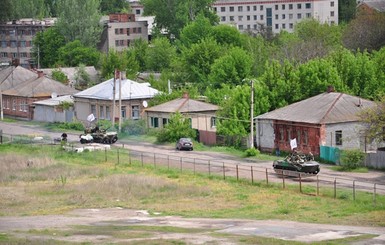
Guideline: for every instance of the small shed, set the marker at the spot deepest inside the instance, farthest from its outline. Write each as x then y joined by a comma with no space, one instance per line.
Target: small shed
53,109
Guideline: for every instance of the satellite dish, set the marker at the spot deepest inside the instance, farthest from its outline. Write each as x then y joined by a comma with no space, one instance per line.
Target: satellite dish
53,95
145,104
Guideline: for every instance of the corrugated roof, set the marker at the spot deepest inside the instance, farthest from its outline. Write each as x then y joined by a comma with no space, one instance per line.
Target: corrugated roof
183,105
13,76
40,87
324,108
378,5
130,90
55,101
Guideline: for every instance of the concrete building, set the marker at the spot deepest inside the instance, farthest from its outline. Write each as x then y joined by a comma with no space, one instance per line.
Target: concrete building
16,40
120,30
254,16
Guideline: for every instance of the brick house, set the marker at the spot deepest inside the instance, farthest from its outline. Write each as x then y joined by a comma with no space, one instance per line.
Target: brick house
328,119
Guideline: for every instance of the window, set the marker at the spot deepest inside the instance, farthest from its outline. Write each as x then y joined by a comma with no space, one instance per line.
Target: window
137,12
4,55
108,114
276,16
283,6
116,43
276,26
276,7
261,17
298,136
116,31
291,25
290,16
305,137
248,17
283,26
299,16
93,109
331,4
254,8
223,9
3,44
248,8
13,44
240,8
289,135
308,15
338,137
231,9
23,44
123,112
213,122
281,138
128,31
14,105
299,6
139,29
255,17
261,7
240,18
14,55
223,18
283,16
165,121
308,5
231,18
240,27
332,13
101,112
154,122
135,112
290,6
23,55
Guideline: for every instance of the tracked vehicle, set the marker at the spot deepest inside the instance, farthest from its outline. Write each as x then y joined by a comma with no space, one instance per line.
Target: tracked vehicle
297,162
96,135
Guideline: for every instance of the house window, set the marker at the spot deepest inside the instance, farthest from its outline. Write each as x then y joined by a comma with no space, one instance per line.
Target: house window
135,112
332,13
14,105
240,27
240,8
298,136
308,15
283,6
93,109
299,6
223,9
165,121
240,18
289,135
213,122
255,8
276,16
223,18
231,18
123,112
261,7
248,8
331,4
338,137
101,112
305,137
108,114
281,134
290,6
231,9
276,7
299,16
308,5
154,122
137,11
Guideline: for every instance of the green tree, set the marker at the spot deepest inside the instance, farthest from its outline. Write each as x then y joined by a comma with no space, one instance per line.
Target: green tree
173,15
227,35
79,20
195,31
75,53
46,45
110,62
374,119
28,9
231,68
160,55
139,50
6,10
198,60
178,126
346,10
82,78
114,6
58,75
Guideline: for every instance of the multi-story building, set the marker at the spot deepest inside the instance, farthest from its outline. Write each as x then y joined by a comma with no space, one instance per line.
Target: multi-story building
16,40
120,30
276,15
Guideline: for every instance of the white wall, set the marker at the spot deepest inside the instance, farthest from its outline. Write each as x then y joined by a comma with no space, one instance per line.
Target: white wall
264,134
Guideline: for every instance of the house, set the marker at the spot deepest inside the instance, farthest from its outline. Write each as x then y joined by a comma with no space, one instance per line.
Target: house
19,98
328,119
201,114
371,6
52,110
102,100
72,73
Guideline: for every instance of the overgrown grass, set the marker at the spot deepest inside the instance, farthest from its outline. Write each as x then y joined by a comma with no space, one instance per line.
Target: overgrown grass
58,181
356,170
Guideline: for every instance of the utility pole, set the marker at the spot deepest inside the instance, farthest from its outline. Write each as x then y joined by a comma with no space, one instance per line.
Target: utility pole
120,99
252,115
113,98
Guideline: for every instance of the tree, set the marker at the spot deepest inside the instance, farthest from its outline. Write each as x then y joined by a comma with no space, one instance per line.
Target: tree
75,53
46,45
227,35
173,15
28,9
346,10
6,10
110,62
160,55
195,31
114,6
79,20
139,50
374,119
58,75
82,78
231,68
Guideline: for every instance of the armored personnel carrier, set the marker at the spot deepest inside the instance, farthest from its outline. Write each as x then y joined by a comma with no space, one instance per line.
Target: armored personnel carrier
297,162
96,135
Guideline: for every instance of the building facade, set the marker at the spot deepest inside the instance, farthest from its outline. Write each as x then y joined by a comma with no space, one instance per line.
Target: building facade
255,16
120,30
16,40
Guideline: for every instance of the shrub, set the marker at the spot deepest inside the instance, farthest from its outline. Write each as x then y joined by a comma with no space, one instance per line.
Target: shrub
134,127
177,128
352,159
252,152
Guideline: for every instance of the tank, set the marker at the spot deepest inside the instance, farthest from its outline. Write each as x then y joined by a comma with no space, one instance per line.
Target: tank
298,162
96,135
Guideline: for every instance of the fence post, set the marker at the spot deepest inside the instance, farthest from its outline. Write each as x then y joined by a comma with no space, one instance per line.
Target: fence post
354,190
168,161
300,183
237,172
180,160
141,158
317,186
154,161
224,172
209,168
335,188
374,194
118,155
252,175
283,179
267,177
105,154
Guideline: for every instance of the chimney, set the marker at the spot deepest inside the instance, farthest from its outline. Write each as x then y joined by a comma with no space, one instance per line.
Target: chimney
185,95
330,89
40,74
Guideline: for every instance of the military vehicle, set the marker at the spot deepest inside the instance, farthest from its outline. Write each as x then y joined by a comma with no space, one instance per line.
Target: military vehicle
96,135
297,162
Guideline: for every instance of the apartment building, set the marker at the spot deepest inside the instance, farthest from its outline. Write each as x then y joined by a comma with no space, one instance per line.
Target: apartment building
254,16
16,40
276,15
120,30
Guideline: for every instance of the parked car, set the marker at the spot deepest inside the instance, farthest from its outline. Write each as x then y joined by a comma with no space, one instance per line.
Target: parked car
184,144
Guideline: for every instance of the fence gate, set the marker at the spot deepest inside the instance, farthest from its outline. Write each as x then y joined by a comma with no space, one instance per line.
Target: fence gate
331,154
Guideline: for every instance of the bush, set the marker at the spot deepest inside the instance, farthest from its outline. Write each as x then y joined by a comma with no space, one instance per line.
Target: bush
134,127
352,159
251,152
76,125
177,128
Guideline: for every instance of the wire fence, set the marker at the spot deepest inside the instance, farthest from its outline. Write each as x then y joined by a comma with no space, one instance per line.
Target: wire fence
317,185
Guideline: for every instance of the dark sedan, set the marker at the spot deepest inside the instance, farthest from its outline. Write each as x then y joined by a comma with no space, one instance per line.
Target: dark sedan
184,144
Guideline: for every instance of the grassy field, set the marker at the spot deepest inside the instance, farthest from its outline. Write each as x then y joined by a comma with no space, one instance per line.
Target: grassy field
37,180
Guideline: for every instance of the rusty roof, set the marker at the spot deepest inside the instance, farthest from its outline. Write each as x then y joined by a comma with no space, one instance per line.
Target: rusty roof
325,108
183,105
